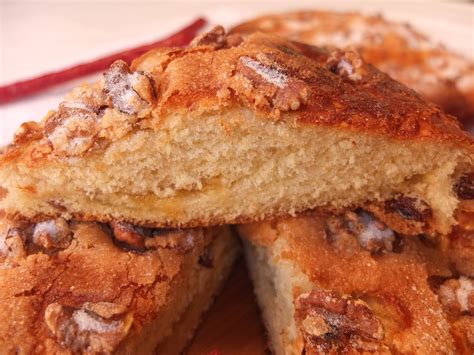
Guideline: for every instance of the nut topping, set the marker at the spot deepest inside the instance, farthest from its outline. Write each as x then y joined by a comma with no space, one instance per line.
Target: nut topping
267,83
27,131
330,322
464,188
214,38
52,234
130,93
71,130
346,63
13,243
410,208
132,236
93,328
457,295
371,234
171,239
141,239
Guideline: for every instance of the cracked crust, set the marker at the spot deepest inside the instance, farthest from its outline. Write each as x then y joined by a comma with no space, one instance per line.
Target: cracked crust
335,297
395,48
97,295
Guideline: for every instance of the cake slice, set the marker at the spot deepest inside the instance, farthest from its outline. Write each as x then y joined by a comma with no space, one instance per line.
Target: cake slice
440,75
233,130
347,283
89,288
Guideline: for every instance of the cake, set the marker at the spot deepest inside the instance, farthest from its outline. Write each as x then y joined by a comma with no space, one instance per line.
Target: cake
347,283
410,57
234,130
82,287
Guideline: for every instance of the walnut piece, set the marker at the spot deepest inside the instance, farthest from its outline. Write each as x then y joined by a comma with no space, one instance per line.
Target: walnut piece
457,295
71,130
12,243
216,39
347,64
342,231
330,322
267,83
141,239
92,328
171,239
52,234
132,236
27,131
130,93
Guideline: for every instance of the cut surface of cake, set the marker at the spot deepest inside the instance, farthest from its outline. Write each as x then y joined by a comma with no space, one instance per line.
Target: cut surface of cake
347,283
231,130
88,288
408,56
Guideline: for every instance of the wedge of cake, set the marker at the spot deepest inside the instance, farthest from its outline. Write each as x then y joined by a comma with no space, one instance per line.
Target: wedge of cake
337,283
233,130
408,56
89,288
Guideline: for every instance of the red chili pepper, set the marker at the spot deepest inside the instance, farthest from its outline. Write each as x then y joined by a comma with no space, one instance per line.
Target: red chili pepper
28,87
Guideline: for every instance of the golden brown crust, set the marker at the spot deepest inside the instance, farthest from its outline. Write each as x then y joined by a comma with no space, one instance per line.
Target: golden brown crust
278,79
92,292
408,56
397,286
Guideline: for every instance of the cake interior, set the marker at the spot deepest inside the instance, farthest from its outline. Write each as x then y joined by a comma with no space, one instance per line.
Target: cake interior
231,166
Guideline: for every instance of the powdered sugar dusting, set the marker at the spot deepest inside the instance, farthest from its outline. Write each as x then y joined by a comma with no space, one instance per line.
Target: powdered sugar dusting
119,84
272,75
373,232
48,227
346,66
86,322
464,291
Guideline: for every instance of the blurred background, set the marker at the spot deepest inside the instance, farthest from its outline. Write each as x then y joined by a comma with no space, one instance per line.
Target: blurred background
40,36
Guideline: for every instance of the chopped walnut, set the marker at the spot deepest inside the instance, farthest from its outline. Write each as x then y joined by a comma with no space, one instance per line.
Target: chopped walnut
130,235
27,131
171,239
410,208
457,295
52,234
216,39
12,244
336,323
370,233
267,83
347,63
465,187
130,93
71,130
93,328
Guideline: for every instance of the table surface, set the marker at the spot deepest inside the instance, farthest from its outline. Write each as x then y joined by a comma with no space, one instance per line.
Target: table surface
71,32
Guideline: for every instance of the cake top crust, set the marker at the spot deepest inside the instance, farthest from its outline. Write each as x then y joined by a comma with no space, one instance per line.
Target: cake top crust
440,75
279,80
86,287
